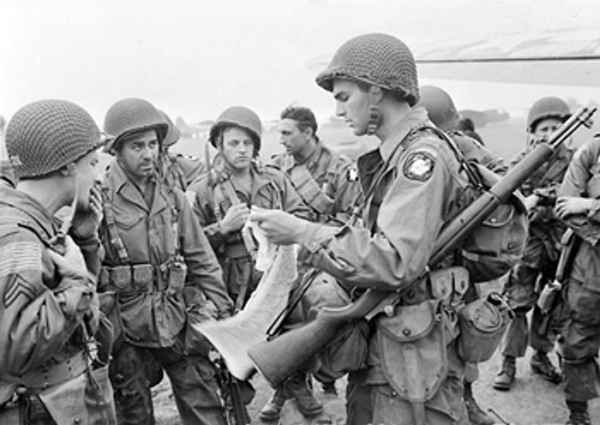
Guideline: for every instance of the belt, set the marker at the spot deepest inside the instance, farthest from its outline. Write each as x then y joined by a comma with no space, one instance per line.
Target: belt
133,278
64,371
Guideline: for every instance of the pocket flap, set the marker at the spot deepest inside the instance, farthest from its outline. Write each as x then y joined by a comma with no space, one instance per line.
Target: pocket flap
411,322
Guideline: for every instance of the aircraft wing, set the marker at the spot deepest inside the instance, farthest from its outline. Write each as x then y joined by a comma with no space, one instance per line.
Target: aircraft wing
566,57
569,57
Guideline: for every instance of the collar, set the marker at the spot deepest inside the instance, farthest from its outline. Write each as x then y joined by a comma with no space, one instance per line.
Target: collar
413,120
119,178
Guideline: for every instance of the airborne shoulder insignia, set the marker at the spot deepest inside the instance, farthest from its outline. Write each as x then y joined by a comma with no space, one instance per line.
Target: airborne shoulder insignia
419,165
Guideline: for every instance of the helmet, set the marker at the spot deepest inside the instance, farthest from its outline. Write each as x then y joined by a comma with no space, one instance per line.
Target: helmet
238,116
439,106
173,133
377,59
547,107
44,136
129,116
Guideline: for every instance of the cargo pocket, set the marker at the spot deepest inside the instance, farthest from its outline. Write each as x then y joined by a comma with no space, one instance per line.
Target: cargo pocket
413,350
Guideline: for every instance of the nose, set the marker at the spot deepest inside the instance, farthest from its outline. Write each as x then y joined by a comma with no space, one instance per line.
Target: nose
339,110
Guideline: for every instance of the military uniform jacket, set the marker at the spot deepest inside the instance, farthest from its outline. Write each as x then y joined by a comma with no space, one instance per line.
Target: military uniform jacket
153,318
35,332
270,190
180,170
419,191
582,180
335,175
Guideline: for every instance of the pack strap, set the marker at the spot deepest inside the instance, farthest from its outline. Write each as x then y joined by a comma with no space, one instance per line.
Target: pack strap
111,226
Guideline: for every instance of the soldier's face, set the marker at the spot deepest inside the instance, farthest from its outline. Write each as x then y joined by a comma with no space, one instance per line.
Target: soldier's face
543,129
292,139
352,104
237,148
138,155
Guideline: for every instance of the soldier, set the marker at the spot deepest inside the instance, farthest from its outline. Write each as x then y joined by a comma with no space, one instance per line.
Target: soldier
223,198
328,183
441,110
6,174
161,272
326,180
538,265
578,206
411,184
467,126
49,305
178,170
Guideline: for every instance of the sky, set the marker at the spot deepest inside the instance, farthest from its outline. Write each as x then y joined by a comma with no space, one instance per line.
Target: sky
194,58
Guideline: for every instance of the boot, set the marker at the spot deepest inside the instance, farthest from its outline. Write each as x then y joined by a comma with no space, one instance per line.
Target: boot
505,378
541,364
476,415
578,413
271,411
298,388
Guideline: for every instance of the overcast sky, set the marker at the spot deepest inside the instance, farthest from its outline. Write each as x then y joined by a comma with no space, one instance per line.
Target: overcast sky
196,57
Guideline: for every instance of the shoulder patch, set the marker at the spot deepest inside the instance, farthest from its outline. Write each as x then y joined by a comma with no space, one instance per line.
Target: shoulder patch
419,165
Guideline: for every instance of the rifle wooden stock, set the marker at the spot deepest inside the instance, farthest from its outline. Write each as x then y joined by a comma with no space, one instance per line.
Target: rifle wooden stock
280,357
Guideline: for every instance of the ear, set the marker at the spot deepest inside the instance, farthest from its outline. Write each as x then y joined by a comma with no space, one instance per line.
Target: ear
68,169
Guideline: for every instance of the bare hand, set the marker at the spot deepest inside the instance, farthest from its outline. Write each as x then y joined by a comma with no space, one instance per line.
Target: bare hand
280,228
85,223
72,262
568,206
235,218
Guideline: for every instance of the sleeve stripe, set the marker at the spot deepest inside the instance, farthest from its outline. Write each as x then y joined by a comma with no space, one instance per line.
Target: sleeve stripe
19,256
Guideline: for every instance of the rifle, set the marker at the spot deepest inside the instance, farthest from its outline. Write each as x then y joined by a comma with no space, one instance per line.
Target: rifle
278,358
235,410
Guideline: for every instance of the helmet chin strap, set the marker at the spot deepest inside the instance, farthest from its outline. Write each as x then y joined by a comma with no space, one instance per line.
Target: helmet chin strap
59,241
374,116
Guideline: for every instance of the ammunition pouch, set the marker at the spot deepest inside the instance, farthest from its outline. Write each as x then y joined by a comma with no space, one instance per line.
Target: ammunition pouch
412,346
449,285
143,278
482,324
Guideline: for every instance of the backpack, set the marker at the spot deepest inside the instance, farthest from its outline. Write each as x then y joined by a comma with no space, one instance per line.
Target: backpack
498,243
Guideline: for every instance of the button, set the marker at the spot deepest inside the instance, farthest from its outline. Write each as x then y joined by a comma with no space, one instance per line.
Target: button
406,332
